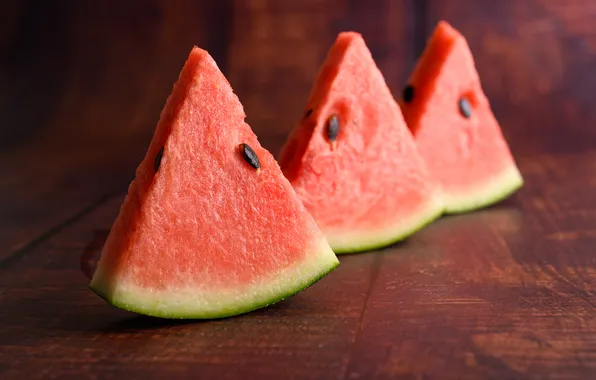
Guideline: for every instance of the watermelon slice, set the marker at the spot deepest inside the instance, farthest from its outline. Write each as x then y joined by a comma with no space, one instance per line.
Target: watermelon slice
454,127
210,227
353,161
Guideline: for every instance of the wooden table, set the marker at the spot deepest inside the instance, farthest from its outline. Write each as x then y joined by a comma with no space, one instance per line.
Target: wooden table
506,292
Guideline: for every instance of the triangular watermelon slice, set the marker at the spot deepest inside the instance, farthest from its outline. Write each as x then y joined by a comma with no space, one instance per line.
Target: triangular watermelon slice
352,159
210,227
454,126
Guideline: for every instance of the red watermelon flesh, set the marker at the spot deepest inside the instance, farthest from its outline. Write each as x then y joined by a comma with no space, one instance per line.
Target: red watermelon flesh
368,187
467,155
202,233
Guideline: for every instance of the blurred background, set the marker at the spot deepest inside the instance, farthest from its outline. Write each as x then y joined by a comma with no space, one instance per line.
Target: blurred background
82,83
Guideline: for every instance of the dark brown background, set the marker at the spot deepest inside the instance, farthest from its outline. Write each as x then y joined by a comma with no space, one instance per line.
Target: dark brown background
506,292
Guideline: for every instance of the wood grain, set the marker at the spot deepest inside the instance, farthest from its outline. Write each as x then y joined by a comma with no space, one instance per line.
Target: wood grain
501,293
79,114
52,307
508,292
535,59
274,58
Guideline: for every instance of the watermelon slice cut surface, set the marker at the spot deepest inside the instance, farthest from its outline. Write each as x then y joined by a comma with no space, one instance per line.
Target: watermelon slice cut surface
454,126
210,227
352,159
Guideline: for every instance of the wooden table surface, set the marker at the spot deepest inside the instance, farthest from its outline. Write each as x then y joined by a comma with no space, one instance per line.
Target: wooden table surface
506,292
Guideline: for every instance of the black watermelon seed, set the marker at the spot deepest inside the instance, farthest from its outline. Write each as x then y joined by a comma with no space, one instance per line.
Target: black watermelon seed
308,113
332,128
465,108
408,93
250,156
158,159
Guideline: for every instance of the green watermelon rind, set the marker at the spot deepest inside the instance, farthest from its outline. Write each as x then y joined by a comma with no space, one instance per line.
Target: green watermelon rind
318,267
430,213
493,191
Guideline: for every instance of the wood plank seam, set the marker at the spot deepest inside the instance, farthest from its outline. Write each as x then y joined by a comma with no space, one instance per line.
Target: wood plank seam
20,253
374,274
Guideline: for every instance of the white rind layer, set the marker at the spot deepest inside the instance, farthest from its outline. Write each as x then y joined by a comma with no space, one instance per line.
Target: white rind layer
394,231
193,302
485,193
